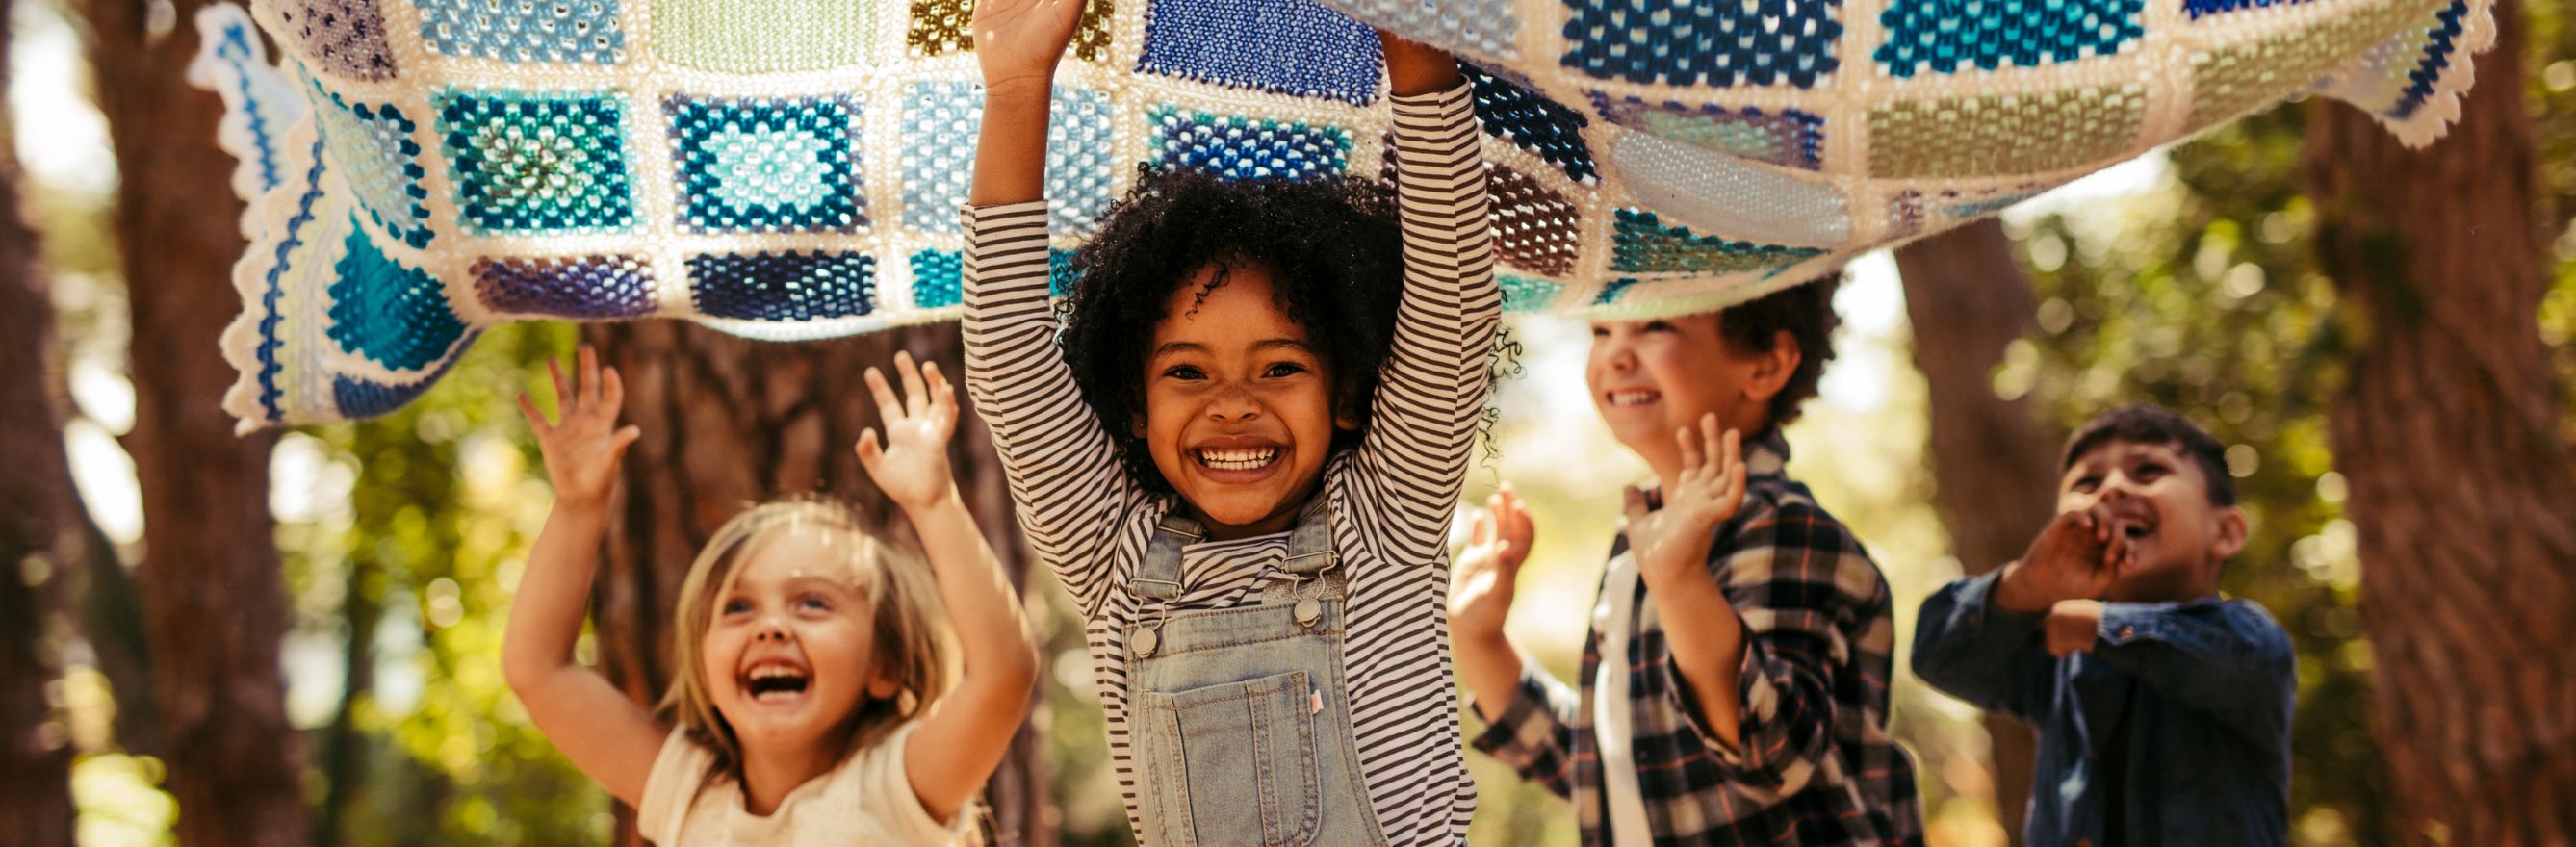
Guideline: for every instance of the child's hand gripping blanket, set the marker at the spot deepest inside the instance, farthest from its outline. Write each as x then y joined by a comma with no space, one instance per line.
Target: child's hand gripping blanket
419,170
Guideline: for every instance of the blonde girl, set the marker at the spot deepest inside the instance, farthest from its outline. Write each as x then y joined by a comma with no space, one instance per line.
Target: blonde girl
812,702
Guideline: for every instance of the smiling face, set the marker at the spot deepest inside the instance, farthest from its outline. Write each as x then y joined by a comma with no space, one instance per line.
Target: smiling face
2160,500
787,656
1239,409
1652,378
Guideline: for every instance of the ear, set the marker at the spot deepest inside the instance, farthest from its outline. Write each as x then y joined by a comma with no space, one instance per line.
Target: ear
1136,424
2231,534
1346,406
1772,368
884,688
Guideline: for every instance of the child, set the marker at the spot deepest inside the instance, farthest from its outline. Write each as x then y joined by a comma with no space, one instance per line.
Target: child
2163,711
1734,686
1242,459
812,703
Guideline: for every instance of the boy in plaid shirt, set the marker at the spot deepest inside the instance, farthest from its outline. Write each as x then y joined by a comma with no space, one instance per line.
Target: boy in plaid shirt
1751,635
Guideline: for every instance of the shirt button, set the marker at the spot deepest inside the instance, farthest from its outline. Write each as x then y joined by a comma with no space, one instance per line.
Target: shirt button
2128,632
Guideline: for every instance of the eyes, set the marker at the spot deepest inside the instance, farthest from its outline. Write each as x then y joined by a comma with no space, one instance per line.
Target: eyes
2144,472
1274,370
1601,331
735,608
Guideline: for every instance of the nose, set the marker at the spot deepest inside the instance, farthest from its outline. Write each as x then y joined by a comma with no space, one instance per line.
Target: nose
1232,403
771,629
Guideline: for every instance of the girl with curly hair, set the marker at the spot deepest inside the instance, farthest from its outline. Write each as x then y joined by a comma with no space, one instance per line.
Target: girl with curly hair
1242,455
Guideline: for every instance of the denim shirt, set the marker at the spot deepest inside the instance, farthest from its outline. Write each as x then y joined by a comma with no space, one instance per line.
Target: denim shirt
2173,729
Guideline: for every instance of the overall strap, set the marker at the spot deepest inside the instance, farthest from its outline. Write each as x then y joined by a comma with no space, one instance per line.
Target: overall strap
1310,550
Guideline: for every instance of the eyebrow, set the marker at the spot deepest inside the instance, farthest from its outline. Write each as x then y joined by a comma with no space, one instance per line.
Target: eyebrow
1266,344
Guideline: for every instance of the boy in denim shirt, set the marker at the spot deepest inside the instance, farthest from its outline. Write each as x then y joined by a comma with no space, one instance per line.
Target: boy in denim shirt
2163,710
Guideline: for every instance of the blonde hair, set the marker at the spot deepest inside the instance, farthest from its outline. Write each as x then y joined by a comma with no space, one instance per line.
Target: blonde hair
904,612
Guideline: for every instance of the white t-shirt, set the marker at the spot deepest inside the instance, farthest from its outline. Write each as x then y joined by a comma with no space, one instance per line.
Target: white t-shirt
1612,721
867,800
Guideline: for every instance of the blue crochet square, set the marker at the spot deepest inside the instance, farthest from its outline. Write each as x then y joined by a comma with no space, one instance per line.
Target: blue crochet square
363,398
1642,244
373,145
583,287
529,163
559,31
1532,122
392,315
1954,35
1293,47
766,165
1787,137
1718,43
787,286
940,122
1237,147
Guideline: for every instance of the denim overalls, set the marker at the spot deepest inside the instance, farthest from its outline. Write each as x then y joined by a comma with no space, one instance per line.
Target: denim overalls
1239,718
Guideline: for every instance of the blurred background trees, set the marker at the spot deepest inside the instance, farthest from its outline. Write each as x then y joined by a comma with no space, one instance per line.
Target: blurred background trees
293,638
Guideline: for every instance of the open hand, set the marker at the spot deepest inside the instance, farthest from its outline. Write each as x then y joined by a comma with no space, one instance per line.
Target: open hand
1674,540
2072,626
583,449
2076,557
1018,42
1481,580
911,466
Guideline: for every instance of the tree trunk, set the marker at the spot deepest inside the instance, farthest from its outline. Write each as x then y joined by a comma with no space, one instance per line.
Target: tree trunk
2462,485
214,603
729,423
37,552
1993,460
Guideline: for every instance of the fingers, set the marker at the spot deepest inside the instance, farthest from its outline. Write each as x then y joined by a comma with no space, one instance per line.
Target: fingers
889,409
563,396
587,384
1515,516
536,419
625,436
916,396
869,449
1632,503
943,396
1480,529
1730,449
612,391
1691,458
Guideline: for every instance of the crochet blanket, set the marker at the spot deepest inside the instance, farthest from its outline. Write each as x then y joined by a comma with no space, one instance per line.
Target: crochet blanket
417,170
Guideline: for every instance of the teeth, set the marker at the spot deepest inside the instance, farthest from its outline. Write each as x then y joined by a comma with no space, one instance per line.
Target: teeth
774,672
1632,398
1238,460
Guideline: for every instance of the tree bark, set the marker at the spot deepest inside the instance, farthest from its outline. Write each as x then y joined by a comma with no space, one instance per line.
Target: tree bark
1993,460
2447,427
37,549
728,423
214,603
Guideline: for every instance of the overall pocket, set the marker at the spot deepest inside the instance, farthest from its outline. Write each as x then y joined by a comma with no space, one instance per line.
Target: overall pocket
1228,764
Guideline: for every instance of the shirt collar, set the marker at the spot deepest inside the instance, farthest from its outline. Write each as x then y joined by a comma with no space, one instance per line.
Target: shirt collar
1766,454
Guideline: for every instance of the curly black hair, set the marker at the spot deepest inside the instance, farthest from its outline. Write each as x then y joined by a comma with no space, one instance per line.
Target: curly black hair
1331,245
1806,311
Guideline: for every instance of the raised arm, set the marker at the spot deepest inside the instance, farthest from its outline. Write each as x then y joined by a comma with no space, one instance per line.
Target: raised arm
1065,478
966,733
1433,387
611,738
1970,648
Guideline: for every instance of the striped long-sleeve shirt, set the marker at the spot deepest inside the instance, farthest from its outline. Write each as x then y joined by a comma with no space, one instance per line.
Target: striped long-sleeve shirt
1392,495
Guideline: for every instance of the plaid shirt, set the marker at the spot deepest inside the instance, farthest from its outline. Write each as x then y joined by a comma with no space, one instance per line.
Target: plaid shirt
1815,765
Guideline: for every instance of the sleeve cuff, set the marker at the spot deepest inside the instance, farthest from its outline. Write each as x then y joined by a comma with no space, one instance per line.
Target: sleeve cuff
1759,699
971,217
1434,103
1977,612
1523,725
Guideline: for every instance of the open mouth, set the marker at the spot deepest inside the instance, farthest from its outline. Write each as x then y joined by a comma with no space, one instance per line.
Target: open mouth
1238,458
770,683
1632,397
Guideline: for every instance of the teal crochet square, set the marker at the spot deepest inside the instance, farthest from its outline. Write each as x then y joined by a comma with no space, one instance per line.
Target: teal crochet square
1644,244
1950,36
537,163
1238,147
373,145
559,31
395,316
766,165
